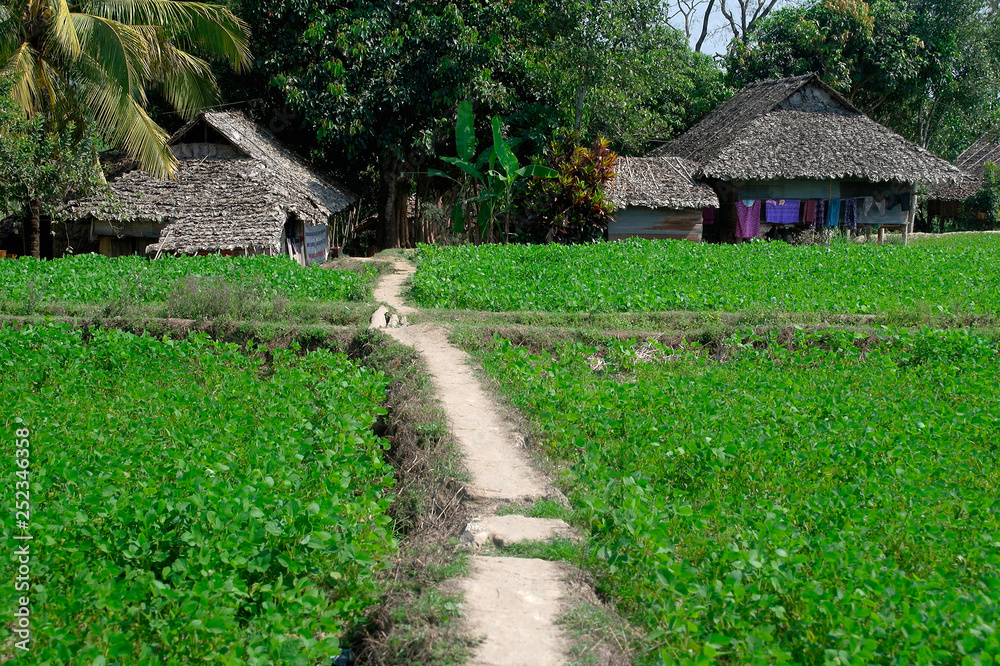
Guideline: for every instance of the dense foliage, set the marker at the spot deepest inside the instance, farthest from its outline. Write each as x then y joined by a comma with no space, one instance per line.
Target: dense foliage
986,200
193,501
929,69
641,275
41,164
374,86
826,499
92,278
571,207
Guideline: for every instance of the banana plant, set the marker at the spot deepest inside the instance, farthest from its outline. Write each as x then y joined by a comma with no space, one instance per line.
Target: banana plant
494,174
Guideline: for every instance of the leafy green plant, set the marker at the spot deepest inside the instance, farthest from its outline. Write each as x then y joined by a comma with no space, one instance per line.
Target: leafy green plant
947,277
494,174
823,498
94,279
194,501
571,208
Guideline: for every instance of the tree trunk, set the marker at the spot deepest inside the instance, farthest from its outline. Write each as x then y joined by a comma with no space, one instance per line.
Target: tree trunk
704,26
32,229
581,95
388,227
402,212
45,245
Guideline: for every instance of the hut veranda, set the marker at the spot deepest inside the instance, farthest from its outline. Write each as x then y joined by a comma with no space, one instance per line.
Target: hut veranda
237,191
782,156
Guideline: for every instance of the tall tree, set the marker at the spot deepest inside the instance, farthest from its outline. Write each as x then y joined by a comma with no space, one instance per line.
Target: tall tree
40,167
617,70
744,15
376,83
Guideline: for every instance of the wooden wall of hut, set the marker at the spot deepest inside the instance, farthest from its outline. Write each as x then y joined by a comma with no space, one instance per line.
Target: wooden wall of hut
656,223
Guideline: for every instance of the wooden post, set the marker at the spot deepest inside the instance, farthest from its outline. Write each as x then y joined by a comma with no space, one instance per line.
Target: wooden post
910,216
881,235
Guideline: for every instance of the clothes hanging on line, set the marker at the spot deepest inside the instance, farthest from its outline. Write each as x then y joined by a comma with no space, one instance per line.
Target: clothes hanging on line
782,211
808,211
833,213
880,204
748,219
819,218
851,213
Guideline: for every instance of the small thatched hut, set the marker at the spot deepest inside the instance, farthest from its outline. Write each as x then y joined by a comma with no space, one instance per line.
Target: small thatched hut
657,197
944,200
237,191
799,150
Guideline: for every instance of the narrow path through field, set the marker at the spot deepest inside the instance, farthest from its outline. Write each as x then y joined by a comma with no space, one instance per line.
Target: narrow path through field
511,603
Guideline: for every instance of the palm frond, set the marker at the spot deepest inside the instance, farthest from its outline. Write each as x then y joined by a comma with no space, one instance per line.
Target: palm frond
212,30
21,67
186,81
121,51
123,122
62,35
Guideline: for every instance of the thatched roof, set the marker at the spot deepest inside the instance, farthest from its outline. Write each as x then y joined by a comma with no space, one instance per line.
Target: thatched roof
236,195
972,162
658,182
800,127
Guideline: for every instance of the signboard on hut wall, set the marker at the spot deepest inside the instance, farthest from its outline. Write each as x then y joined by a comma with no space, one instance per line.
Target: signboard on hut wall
316,243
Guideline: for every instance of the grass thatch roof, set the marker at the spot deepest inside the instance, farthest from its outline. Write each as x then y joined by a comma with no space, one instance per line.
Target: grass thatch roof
237,196
800,127
658,182
972,162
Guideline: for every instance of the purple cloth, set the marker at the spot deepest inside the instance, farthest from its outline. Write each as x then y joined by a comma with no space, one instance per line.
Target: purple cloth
820,219
851,213
783,211
708,215
748,224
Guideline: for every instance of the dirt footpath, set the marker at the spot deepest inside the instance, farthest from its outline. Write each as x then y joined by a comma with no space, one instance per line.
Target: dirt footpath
510,603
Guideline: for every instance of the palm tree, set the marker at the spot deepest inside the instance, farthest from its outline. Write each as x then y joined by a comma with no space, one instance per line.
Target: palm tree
91,62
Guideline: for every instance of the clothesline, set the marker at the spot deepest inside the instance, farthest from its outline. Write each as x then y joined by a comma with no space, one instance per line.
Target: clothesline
821,213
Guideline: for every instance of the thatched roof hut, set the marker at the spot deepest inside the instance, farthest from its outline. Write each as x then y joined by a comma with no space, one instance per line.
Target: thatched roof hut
236,190
657,197
658,182
972,162
801,147
800,127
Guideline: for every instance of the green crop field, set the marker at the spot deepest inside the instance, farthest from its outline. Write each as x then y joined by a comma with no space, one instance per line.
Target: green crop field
190,501
829,498
959,277
91,278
